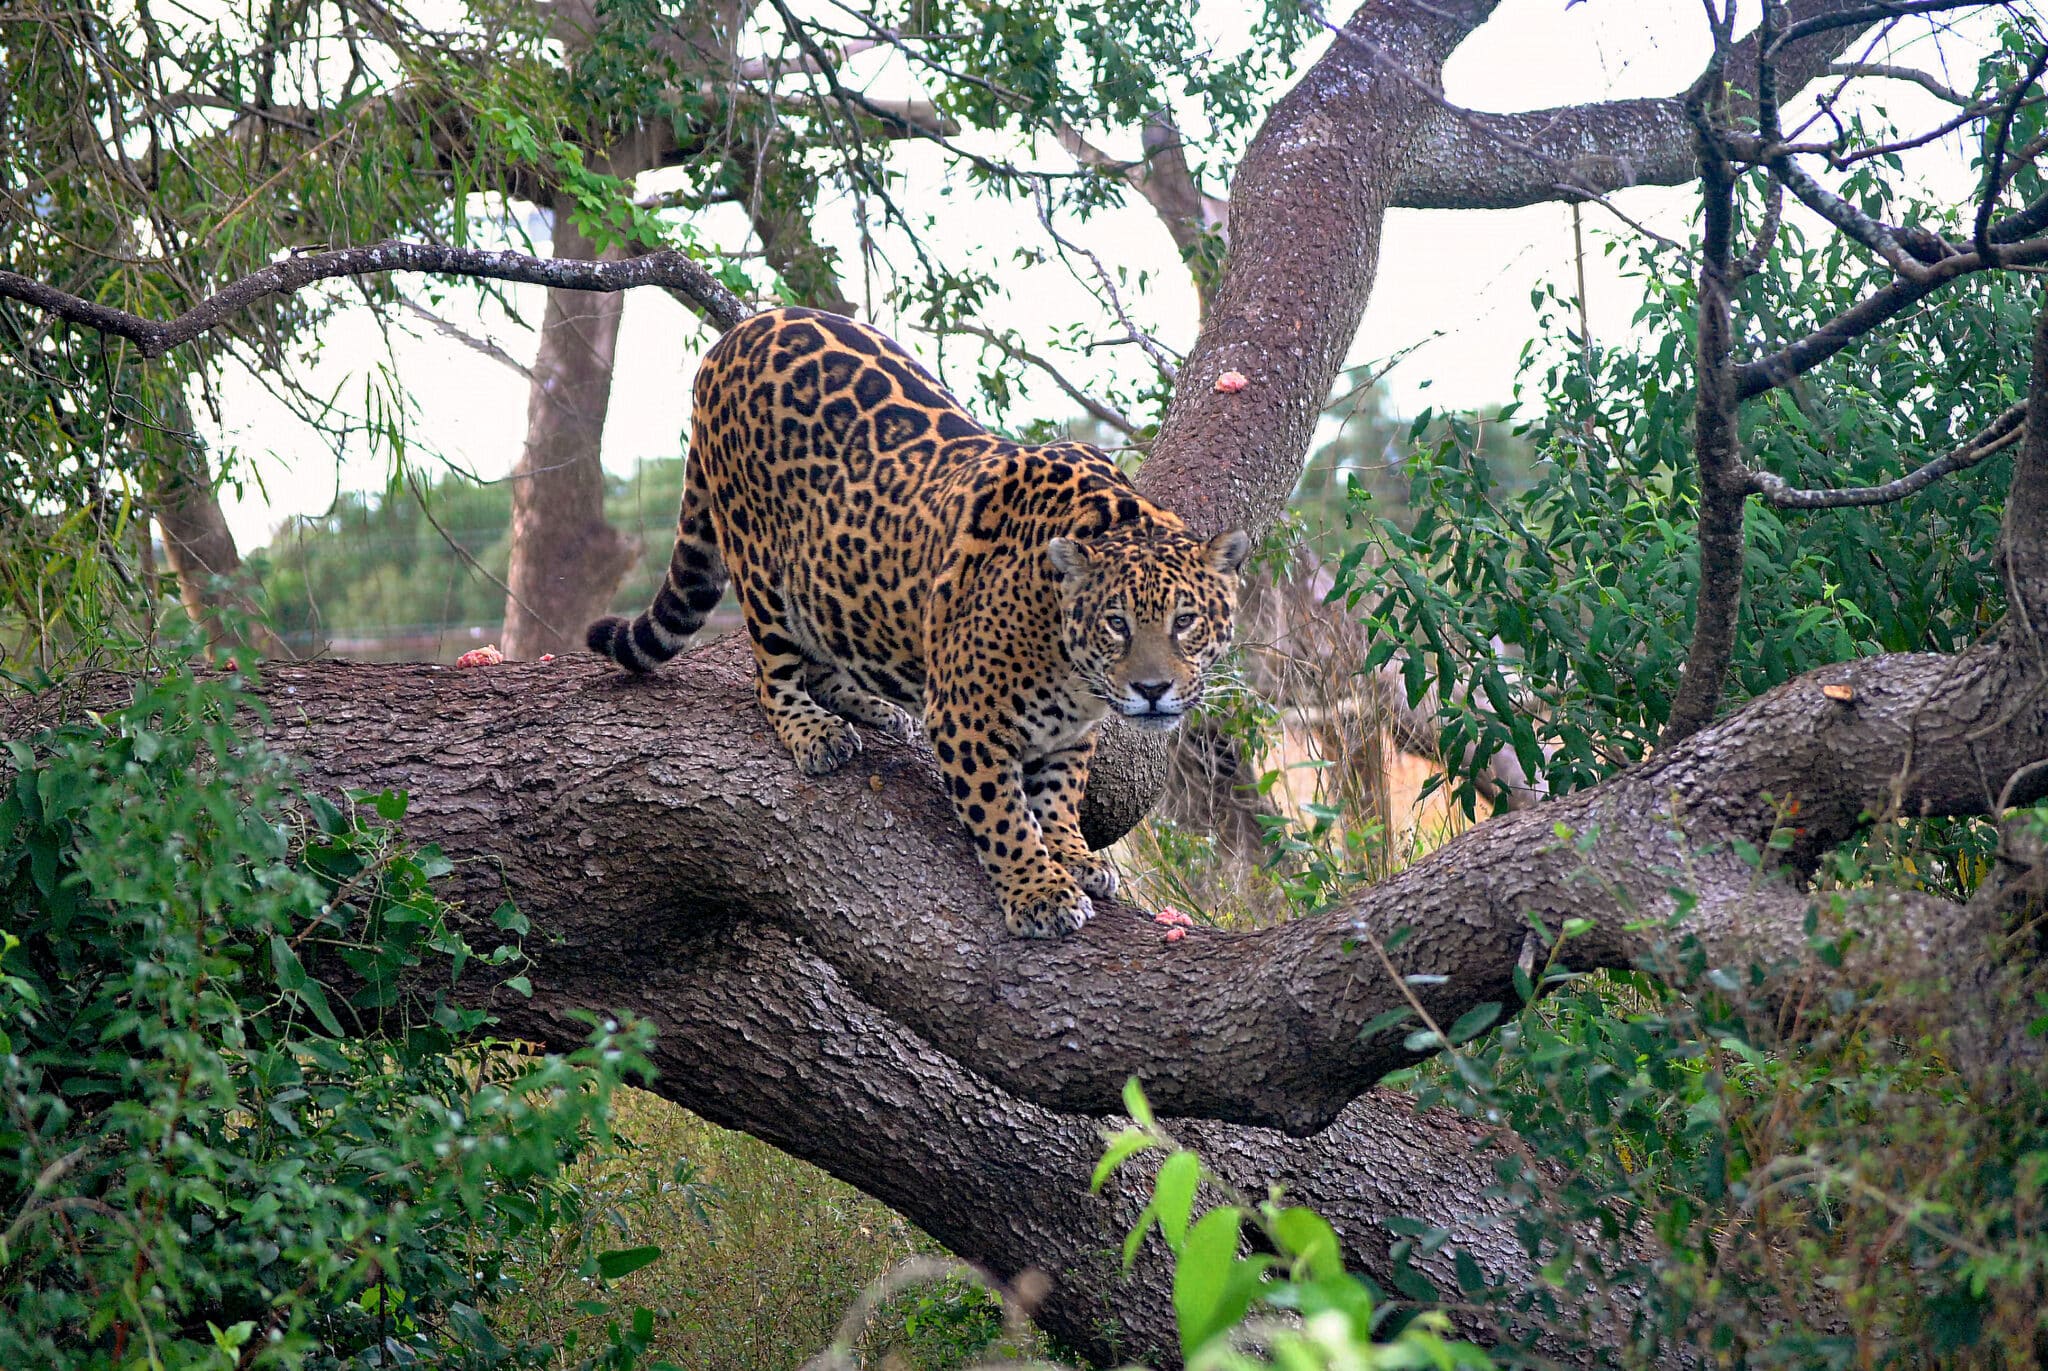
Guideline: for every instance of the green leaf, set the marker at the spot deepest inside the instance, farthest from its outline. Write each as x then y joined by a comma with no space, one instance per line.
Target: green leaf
1380,1023
1136,1105
1475,1021
291,972
624,1261
1208,1294
1410,1281
1124,1146
1135,1239
315,999
325,816
1311,1241
1173,1195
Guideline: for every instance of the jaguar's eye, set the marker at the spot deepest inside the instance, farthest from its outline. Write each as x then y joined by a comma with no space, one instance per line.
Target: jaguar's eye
1182,623
1117,625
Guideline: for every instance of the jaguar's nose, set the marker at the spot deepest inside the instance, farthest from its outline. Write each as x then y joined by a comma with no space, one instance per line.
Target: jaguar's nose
1152,691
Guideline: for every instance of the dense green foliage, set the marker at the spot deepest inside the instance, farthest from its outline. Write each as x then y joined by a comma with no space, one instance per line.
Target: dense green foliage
1553,617
1747,1161
149,157
246,1123
1586,577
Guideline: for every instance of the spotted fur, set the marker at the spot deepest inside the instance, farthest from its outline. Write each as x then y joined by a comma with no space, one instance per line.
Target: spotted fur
892,555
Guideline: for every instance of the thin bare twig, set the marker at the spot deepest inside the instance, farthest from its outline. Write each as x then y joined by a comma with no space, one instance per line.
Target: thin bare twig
1096,408
1019,1302
448,328
1578,192
2001,433
1132,333
1868,14
1896,73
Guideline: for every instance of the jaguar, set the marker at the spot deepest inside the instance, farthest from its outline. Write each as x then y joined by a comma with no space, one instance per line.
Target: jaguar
897,563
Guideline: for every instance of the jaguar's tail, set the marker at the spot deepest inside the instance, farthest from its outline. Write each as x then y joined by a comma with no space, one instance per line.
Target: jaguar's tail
696,578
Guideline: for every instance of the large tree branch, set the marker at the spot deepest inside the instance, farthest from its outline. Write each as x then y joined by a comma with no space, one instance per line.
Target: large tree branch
1472,160
153,337
615,808
1367,129
761,1034
214,586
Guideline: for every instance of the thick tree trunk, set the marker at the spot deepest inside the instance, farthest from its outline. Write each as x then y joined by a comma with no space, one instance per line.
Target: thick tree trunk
683,871
197,542
566,559
1306,208
217,593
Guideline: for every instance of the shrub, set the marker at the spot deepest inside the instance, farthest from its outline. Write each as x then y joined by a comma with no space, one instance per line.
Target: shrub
243,1120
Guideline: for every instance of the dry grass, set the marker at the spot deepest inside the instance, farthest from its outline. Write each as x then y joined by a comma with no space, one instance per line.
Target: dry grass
761,1256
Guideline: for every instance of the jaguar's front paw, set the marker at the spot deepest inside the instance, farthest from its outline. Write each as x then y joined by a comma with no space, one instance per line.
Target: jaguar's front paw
823,745
1095,873
1055,915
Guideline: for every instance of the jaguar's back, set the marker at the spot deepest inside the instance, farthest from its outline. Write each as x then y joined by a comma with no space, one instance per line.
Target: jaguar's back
890,552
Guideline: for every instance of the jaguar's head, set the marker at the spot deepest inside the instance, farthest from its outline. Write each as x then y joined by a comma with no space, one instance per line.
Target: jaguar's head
1144,613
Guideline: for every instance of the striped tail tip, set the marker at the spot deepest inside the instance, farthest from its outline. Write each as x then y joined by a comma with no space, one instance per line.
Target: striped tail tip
612,636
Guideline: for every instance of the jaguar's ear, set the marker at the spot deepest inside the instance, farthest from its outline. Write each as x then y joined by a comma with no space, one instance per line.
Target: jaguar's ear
1227,551
1069,557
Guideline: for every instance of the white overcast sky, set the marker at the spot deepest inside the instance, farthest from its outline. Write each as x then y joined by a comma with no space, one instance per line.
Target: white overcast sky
1453,290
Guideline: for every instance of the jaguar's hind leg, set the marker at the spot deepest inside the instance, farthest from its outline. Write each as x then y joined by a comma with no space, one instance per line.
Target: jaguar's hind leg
834,688
820,741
